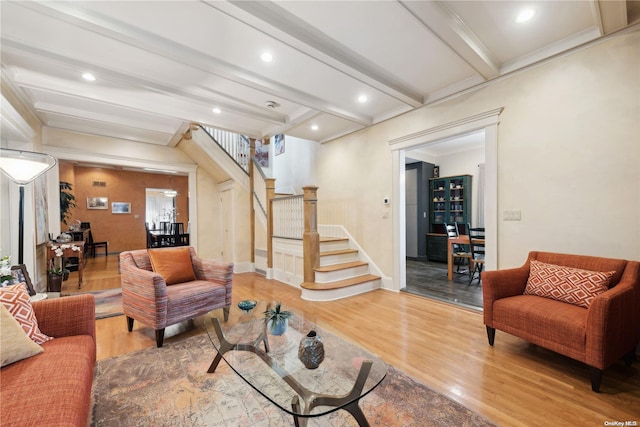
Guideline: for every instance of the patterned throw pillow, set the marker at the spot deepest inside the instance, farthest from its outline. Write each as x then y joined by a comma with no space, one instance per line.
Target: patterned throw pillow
15,345
571,285
16,299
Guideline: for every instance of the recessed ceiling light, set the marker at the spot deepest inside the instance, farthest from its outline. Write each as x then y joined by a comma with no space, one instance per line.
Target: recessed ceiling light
525,15
89,77
266,57
362,99
314,127
217,110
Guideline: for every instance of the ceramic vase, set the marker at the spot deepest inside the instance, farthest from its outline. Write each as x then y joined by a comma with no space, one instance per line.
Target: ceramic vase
311,350
278,328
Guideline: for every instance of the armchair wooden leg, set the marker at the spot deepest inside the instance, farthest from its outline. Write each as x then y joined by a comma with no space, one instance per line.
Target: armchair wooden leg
596,378
159,337
491,334
129,323
225,312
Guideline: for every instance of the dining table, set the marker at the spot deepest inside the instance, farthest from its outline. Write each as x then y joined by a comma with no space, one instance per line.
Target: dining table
462,239
170,239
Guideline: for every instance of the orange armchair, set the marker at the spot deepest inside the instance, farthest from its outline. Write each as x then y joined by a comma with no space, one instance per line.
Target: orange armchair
148,298
607,330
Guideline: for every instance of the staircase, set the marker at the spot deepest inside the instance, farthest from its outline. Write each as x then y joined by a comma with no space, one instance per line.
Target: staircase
341,272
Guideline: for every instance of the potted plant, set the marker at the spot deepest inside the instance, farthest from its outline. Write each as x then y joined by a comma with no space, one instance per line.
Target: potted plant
67,201
277,319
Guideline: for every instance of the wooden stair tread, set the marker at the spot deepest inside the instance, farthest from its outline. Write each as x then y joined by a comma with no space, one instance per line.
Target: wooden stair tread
340,283
333,239
338,252
343,266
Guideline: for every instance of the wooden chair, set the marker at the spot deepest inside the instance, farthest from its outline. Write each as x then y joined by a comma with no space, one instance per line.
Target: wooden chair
152,241
477,258
90,246
460,252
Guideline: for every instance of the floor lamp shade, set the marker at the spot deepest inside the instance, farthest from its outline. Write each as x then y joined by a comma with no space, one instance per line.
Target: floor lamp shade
22,167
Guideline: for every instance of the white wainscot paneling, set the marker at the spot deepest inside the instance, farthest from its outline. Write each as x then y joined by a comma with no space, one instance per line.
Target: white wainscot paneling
288,261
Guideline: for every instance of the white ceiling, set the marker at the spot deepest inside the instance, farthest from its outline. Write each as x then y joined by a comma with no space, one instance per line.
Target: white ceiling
162,65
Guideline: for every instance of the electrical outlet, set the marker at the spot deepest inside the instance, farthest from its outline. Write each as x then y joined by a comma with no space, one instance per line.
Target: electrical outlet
511,215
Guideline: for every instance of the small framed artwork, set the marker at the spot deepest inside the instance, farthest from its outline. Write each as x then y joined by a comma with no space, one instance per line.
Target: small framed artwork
120,208
97,203
279,144
22,276
436,171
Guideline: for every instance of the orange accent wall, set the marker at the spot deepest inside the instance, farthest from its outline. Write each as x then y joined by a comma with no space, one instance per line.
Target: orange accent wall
122,231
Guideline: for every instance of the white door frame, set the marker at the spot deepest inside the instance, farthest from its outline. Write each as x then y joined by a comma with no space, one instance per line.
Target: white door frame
488,121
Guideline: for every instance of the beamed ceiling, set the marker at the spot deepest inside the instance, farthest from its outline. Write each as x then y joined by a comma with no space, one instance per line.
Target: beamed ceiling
159,66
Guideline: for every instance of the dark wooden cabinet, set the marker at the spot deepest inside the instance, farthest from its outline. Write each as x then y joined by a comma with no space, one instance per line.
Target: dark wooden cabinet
449,203
437,247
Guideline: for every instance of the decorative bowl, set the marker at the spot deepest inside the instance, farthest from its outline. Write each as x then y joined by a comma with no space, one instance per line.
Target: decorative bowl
247,305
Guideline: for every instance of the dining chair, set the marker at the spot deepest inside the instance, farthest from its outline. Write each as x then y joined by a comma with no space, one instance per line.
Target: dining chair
152,241
476,263
460,252
91,245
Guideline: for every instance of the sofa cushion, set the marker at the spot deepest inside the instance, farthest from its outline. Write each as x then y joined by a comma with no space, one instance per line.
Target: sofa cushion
174,264
552,324
15,345
52,388
571,285
16,300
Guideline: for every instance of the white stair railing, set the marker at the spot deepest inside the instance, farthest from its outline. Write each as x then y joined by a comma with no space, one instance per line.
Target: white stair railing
288,217
236,145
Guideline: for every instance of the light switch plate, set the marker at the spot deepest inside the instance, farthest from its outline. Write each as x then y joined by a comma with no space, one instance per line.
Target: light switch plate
511,215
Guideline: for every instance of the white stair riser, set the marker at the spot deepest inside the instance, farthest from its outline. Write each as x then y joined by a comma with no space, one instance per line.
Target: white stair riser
334,245
338,259
335,294
347,273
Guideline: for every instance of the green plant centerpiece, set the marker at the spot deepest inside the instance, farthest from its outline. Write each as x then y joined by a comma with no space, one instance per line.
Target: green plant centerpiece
67,201
277,319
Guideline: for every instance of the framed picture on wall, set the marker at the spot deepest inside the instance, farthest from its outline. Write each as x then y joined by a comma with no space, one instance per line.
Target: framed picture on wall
120,208
279,144
97,203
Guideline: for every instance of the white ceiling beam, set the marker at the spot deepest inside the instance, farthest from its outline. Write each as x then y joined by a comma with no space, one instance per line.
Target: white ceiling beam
442,21
279,24
59,110
99,24
611,15
233,105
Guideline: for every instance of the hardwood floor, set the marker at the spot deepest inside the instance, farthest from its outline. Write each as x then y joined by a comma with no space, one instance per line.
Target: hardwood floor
513,383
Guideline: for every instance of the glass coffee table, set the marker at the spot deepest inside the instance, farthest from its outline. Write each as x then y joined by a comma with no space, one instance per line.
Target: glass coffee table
270,364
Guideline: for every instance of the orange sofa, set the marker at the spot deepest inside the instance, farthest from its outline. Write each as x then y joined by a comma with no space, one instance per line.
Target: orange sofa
53,388
598,335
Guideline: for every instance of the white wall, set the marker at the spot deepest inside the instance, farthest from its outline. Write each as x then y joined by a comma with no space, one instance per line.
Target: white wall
568,158
295,168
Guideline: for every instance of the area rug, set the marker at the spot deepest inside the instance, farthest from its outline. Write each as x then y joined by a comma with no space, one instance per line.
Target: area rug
108,302
170,386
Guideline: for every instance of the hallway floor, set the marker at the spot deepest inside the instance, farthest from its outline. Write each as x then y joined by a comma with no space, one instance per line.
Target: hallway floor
429,279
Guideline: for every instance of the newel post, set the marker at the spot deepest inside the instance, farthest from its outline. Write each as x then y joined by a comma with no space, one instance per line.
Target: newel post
310,238
270,184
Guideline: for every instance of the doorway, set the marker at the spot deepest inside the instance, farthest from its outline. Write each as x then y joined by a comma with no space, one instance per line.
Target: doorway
463,158
487,122
160,207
